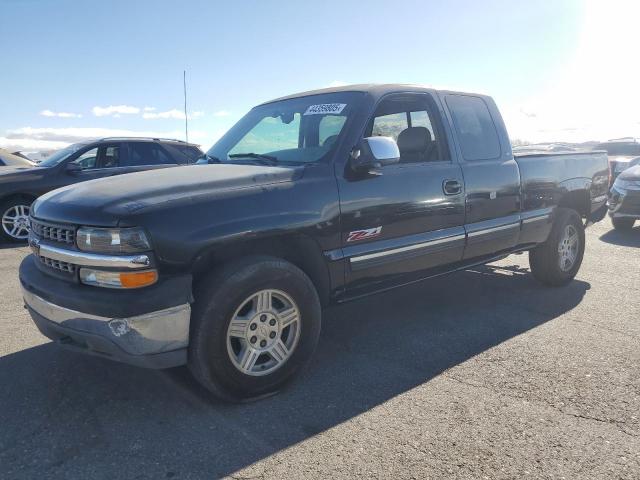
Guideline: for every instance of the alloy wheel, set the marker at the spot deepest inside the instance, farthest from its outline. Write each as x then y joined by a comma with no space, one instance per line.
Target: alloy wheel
15,222
263,332
568,248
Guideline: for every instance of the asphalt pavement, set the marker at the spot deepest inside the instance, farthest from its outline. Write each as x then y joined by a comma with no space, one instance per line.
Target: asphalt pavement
480,374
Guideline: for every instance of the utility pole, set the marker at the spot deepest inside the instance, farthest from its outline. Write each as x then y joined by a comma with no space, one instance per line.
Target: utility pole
186,120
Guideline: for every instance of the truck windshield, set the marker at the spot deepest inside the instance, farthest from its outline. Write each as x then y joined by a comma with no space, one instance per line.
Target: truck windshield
298,130
60,155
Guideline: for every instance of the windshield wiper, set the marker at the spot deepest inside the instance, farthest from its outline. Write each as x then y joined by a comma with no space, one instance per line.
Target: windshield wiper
271,160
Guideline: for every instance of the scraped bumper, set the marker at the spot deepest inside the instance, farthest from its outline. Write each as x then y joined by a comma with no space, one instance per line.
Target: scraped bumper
152,333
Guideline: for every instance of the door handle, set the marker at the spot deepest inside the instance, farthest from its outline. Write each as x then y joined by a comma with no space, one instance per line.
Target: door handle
451,187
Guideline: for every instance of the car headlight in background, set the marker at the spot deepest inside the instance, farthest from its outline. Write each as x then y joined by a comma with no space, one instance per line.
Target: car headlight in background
112,240
109,279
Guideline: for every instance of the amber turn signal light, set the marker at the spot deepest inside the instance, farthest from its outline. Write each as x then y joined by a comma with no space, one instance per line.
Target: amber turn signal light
138,279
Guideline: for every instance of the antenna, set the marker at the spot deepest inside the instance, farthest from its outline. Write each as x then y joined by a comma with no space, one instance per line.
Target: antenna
186,121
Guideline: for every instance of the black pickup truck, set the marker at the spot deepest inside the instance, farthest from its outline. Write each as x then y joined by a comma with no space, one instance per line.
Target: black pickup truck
310,199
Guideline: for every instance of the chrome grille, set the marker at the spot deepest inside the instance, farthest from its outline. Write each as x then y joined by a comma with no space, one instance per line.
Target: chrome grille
58,265
54,232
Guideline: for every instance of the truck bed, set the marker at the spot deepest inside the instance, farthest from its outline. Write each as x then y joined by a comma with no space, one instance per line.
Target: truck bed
548,176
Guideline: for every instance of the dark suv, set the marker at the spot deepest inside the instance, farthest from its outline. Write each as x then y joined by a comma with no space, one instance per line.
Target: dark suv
21,185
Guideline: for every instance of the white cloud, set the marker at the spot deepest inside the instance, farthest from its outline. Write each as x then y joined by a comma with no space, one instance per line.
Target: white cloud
173,114
221,113
50,113
22,144
337,83
149,109
114,110
30,138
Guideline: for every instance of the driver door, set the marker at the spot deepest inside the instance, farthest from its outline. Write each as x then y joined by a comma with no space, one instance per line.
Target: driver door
409,218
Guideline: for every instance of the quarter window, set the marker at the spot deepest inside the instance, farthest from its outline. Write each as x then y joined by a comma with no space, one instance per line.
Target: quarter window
475,128
192,153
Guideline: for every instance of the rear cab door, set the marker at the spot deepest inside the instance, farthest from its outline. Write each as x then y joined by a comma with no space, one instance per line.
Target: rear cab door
491,174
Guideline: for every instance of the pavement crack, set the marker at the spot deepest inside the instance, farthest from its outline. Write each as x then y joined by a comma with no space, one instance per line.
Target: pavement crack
621,425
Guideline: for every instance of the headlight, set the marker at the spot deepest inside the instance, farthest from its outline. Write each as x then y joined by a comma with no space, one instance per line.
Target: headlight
112,240
130,279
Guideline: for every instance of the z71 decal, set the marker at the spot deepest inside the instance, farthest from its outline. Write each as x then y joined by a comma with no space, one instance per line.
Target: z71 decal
357,235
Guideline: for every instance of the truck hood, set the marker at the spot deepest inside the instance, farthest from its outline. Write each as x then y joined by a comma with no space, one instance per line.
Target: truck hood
11,173
107,201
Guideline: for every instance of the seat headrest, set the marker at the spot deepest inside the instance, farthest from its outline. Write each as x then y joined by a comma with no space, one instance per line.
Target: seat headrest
414,139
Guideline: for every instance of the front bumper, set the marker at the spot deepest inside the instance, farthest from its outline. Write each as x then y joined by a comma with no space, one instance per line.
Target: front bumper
149,328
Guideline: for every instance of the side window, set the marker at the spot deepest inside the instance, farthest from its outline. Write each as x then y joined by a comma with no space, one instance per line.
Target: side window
474,126
146,153
407,119
421,119
110,156
329,128
390,125
191,153
88,159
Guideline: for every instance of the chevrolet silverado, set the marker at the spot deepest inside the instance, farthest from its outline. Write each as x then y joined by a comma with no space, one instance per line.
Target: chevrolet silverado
311,199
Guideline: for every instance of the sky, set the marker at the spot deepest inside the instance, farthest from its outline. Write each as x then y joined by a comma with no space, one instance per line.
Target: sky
562,70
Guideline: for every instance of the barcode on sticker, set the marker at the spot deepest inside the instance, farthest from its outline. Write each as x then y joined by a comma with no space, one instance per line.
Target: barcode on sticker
325,109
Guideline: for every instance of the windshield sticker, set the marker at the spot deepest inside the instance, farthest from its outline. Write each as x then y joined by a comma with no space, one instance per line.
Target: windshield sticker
325,109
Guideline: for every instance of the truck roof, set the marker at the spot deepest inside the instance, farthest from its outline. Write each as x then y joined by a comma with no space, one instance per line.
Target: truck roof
374,89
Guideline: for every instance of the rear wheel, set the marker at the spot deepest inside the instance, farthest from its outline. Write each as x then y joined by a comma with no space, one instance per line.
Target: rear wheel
622,223
557,261
14,214
254,326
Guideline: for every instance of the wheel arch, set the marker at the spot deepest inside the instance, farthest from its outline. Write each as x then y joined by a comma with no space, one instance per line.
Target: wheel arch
11,196
577,197
300,250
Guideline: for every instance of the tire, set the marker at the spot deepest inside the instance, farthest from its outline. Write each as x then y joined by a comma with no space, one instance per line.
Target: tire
217,348
545,260
622,223
14,212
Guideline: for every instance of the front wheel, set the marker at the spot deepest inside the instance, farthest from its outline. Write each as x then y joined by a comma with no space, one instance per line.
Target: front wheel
557,261
255,324
622,223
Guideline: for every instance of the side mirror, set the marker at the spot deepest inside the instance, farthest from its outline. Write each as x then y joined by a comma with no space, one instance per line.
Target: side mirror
374,152
73,167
